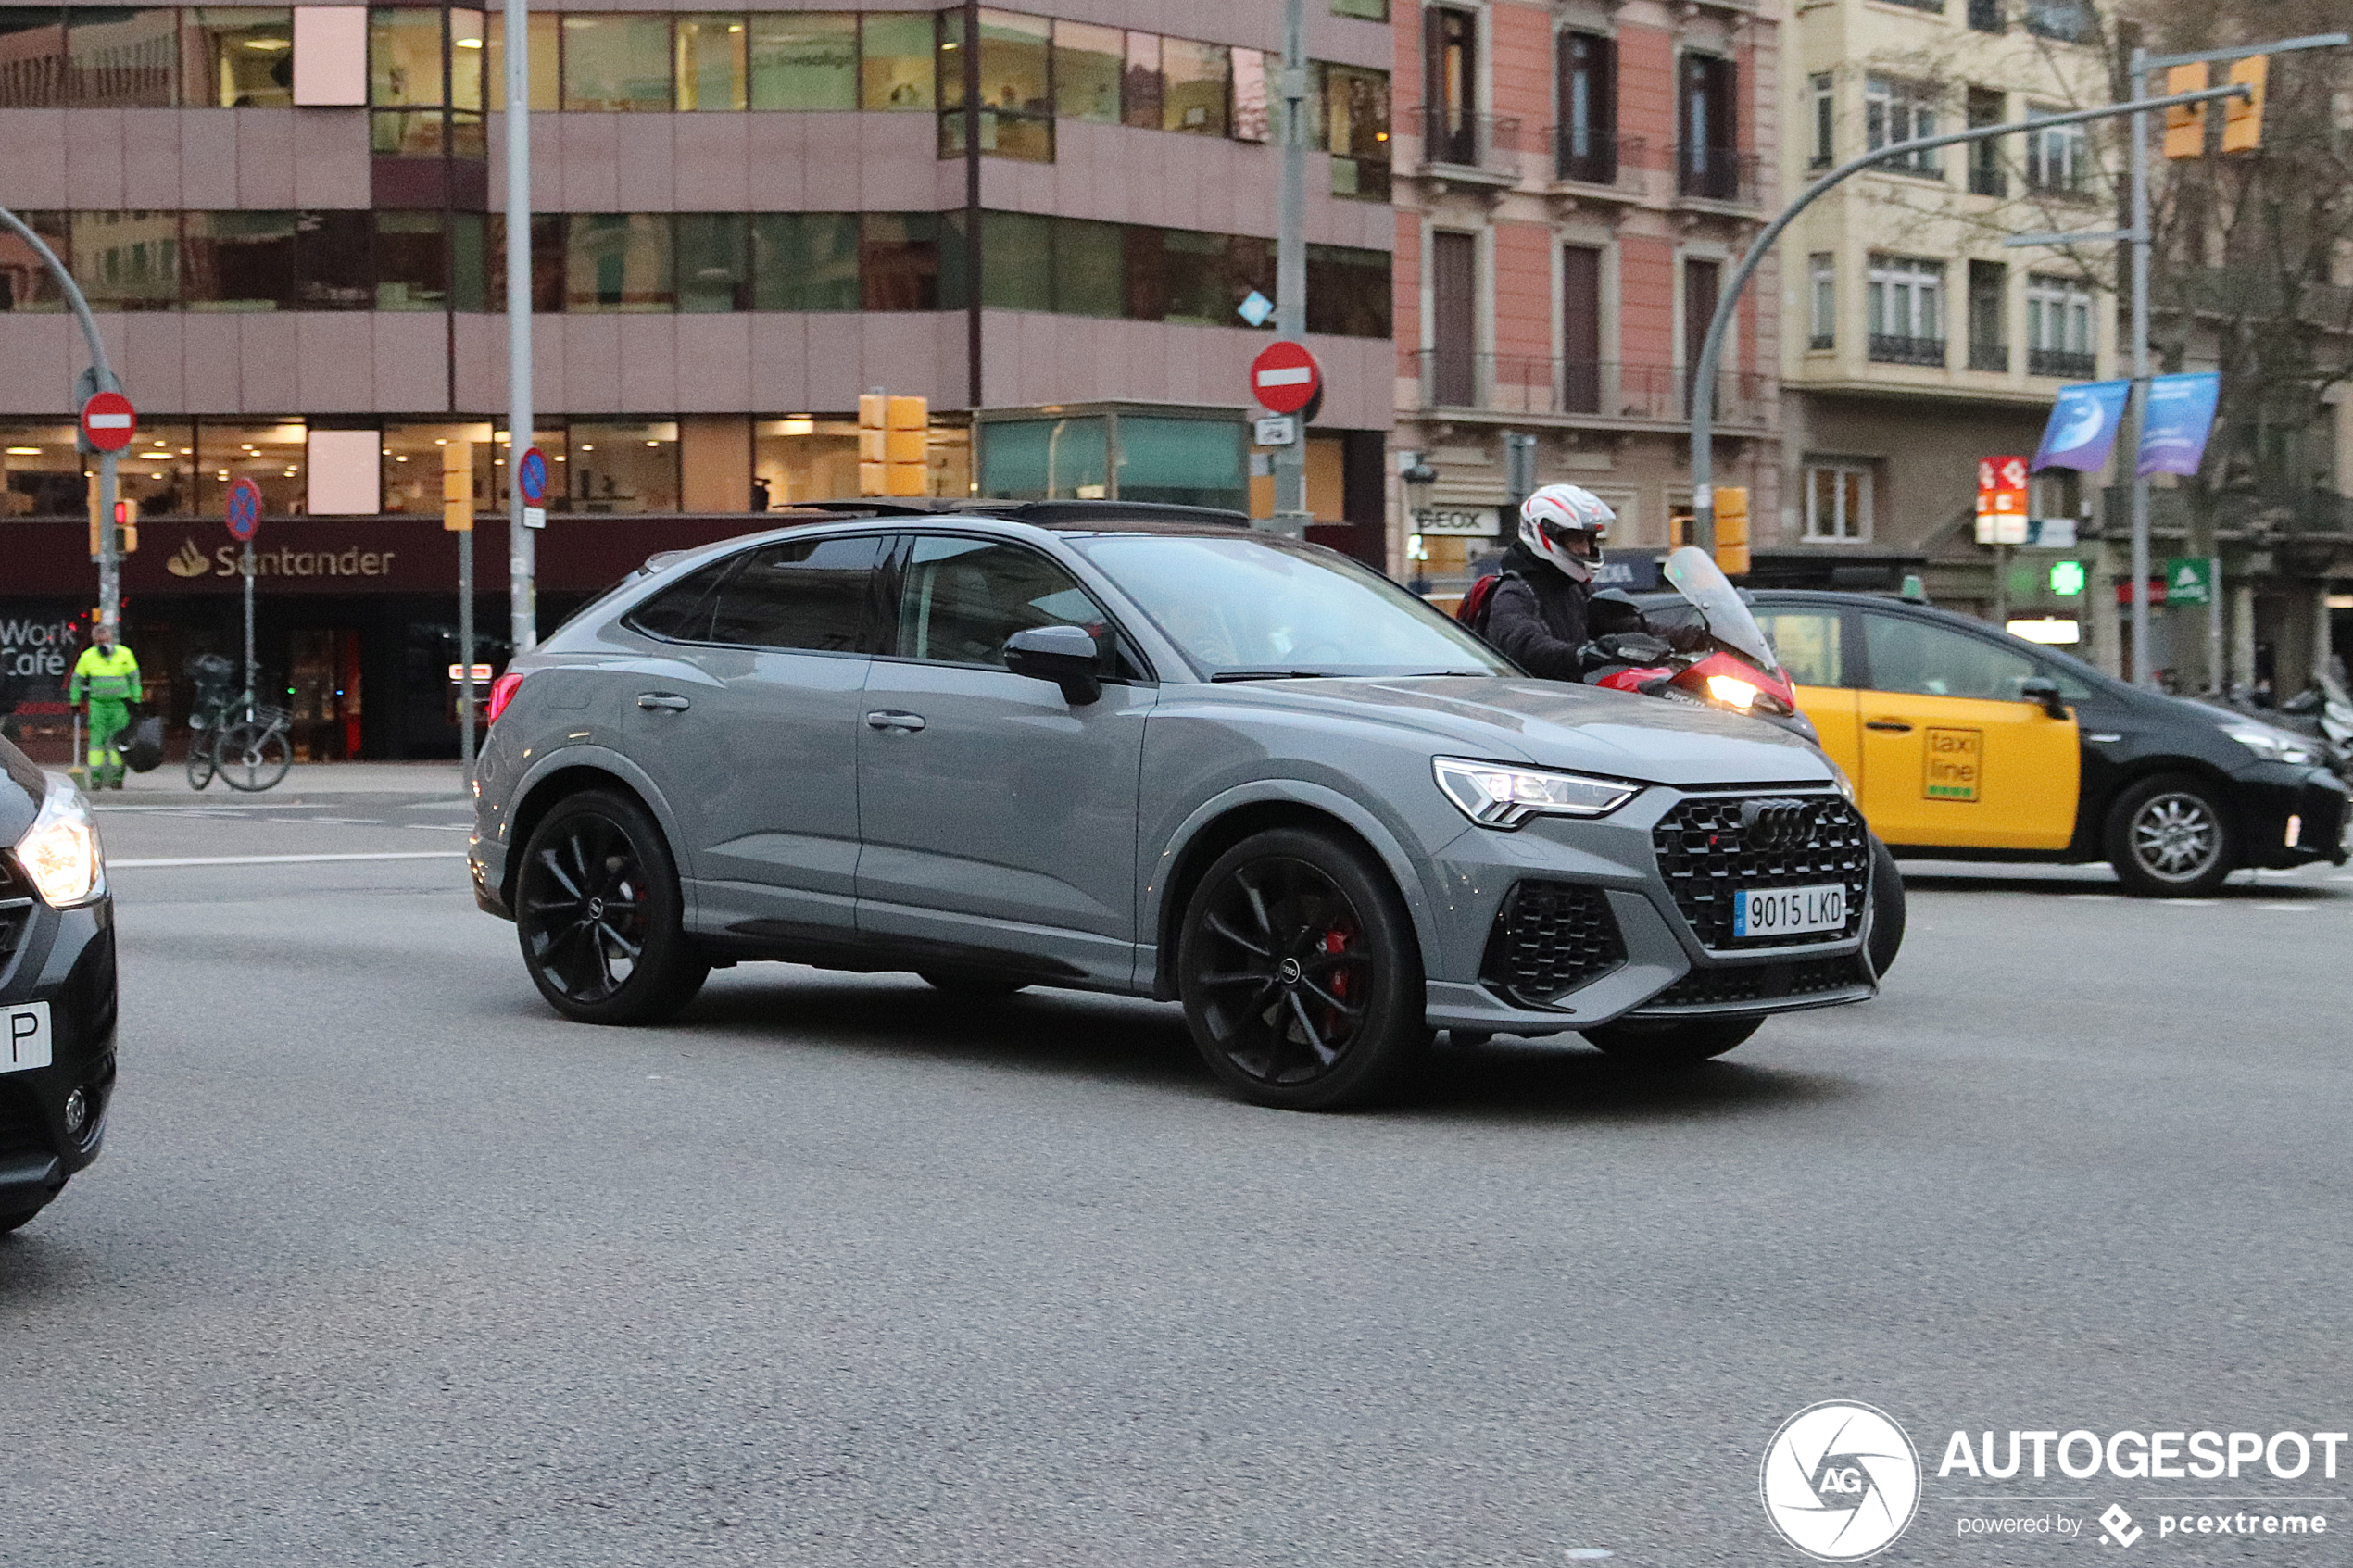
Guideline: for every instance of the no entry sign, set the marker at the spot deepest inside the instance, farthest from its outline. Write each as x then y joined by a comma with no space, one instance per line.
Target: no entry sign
1285,378
244,509
109,421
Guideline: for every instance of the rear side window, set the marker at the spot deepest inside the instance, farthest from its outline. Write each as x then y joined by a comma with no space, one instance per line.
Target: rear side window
1808,644
810,594
682,611
1909,656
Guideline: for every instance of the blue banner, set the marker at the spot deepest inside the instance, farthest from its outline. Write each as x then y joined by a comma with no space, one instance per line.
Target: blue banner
2083,426
2181,416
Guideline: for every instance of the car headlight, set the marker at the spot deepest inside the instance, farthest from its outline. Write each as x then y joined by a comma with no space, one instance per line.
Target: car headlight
2273,746
59,851
1846,784
1496,796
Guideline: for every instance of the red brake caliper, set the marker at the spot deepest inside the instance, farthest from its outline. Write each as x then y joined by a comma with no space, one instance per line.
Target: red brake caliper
1336,941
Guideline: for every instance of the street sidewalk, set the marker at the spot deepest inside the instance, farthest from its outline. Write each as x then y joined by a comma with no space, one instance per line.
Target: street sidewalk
170,782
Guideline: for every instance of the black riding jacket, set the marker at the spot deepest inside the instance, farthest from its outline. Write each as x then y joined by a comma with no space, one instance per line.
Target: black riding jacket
1542,618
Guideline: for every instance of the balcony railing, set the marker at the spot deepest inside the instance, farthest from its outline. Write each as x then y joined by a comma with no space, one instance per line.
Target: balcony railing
1718,174
1989,356
2061,363
1886,350
1487,142
1586,157
1986,179
1511,384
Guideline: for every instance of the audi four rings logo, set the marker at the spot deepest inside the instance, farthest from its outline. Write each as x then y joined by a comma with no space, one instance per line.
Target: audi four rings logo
1773,824
1840,1481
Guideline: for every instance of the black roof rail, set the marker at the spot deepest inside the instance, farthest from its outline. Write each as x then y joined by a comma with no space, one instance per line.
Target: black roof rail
1049,513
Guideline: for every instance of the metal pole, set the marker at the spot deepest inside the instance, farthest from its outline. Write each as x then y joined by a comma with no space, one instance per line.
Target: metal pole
253,676
1711,353
522,608
110,548
466,646
971,80
2217,672
2142,666
1290,261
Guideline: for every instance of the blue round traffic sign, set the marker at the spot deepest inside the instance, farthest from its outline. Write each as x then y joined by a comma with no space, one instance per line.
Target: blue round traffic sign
531,476
244,509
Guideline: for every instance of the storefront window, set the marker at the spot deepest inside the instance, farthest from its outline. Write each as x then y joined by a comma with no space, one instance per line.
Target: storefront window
269,454
412,261
898,260
802,460
239,261
1181,462
804,261
556,444
413,456
26,281
127,261
125,59
1195,78
1088,267
1045,459
335,264
714,261
616,61
618,261
710,62
1087,67
158,471
240,58
625,467
895,60
804,61
547,61
33,58
43,472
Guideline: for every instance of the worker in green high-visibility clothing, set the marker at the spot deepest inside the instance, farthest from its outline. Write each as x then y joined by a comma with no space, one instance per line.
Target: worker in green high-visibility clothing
107,678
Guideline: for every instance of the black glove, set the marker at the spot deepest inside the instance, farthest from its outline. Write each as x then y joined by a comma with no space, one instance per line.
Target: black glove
1632,647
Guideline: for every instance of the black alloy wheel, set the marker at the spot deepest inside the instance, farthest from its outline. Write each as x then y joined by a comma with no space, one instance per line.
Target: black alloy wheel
2168,836
1655,1047
1299,974
597,910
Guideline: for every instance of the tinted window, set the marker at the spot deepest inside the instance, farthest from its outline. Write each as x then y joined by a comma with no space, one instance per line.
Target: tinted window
812,593
963,597
1808,642
682,610
1909,656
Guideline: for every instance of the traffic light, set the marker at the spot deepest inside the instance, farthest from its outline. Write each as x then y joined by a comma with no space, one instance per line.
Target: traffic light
894,434
457,487
2243,120
1732,529
2186,123
126,526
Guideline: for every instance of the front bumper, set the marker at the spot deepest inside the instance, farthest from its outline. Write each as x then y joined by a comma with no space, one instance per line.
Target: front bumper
66,959
2272,796
1647,957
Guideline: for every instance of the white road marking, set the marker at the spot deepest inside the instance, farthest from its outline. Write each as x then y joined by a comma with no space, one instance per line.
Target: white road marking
2288,909
287,859
2192,903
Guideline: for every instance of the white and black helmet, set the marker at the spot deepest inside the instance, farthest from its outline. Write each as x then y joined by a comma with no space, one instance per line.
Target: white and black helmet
1566,525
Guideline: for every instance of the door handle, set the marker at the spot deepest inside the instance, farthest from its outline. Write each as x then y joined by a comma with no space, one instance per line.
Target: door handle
890,718
1893,726
665,702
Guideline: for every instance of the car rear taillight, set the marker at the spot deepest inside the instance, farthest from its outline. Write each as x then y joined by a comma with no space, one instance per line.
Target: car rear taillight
502,692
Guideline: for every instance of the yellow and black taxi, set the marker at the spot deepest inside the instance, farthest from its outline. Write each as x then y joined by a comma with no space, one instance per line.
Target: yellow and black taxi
1965,743
56,988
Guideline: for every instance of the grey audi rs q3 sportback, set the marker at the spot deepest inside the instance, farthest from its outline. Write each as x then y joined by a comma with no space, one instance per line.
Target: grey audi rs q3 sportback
1144,751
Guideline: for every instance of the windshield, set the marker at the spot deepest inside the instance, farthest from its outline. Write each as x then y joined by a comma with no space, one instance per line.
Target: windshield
1698,579
1251,606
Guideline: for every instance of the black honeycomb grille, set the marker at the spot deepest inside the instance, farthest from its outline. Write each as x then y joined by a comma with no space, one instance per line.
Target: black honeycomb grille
1759,982
16,906
1551,937
1707,858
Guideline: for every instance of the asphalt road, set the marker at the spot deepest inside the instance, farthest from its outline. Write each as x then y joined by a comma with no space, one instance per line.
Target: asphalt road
384,1264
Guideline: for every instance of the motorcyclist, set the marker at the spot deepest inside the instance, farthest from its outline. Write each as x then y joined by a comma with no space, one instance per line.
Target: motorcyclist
1544,612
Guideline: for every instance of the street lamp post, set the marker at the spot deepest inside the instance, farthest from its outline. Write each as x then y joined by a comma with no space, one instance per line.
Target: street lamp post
521,595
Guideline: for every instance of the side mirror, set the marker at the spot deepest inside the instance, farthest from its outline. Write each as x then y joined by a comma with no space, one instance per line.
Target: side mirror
2043,690
1064,655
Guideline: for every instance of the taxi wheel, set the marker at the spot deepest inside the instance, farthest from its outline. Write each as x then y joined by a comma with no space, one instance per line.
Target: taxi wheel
597,910
1299,974
2168,836
1660,1046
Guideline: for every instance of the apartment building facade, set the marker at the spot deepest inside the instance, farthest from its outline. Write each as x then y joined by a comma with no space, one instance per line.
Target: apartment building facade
1575,181
289,220
1914,341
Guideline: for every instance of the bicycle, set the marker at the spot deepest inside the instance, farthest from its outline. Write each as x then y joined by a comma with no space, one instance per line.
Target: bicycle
242,741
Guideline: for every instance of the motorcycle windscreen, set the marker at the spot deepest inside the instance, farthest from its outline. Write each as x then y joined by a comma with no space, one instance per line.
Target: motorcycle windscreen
1700,580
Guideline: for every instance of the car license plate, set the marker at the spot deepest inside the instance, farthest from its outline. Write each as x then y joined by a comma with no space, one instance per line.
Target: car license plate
24,1037
1789,911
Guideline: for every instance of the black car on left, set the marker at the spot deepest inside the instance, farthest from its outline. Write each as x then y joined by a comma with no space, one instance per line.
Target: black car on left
56,988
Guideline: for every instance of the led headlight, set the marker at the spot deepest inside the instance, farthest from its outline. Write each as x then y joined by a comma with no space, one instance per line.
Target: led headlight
59,852
1496,796
2272,745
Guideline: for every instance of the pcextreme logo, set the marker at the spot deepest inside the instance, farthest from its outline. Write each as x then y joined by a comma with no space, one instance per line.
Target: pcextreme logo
1840,1481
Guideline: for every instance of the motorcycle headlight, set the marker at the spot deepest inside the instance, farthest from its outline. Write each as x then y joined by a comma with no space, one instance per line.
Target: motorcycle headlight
59,851
1494,795
1733,692
2273,746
